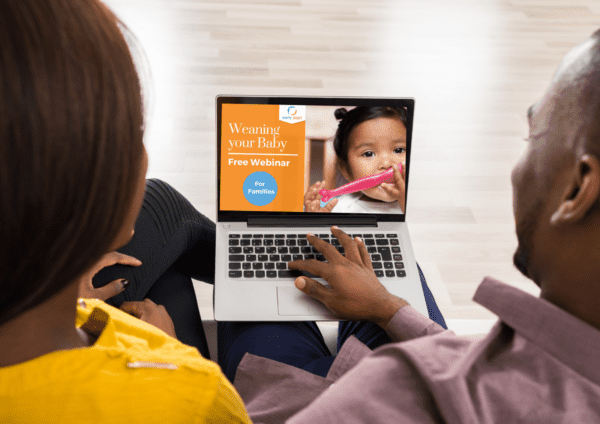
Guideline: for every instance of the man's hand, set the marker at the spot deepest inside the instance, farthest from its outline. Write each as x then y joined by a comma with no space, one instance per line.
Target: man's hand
87,290
150,312
312,199
355,291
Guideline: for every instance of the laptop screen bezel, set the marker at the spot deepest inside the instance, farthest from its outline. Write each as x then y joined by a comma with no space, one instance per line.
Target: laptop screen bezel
242,216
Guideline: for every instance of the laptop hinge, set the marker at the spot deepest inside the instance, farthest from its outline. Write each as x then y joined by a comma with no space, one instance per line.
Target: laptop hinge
325,220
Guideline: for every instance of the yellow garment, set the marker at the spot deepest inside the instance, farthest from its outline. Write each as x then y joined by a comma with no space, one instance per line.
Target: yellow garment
134,373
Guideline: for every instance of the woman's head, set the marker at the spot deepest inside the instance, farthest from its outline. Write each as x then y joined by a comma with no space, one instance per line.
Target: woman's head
370,140
72,159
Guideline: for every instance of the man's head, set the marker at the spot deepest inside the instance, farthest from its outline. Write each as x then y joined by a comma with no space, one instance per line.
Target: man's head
556,185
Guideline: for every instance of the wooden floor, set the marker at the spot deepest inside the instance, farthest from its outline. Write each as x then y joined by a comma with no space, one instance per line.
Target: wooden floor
473,66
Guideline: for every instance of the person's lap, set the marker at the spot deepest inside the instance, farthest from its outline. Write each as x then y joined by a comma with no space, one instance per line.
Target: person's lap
300,344
175,243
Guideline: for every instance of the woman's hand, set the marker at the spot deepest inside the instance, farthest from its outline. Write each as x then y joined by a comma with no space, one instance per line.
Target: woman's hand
312,199
355,293
397,188
87,290
150,312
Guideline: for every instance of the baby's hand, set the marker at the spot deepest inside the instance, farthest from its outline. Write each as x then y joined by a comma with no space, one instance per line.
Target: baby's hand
312,199
397,189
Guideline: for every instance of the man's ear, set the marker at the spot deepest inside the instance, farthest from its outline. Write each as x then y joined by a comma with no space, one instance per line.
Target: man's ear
581,193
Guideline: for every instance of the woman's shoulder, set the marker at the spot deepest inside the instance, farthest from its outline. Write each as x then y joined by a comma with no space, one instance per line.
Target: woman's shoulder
119,331
65,385
130,372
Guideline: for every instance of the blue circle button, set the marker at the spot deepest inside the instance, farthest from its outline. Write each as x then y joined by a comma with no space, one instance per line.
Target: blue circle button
260,188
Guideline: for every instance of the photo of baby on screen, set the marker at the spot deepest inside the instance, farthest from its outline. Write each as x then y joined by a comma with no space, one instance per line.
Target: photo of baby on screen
370,155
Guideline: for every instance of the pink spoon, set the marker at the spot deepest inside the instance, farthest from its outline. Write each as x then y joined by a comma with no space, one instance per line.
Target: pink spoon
359,185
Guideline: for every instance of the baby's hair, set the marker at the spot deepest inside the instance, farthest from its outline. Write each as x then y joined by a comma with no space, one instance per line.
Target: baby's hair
350,119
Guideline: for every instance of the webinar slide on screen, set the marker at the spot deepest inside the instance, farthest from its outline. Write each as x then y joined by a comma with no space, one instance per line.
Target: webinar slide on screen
262,157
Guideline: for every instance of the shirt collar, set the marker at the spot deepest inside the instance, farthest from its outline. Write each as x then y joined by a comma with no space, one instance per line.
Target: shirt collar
93,317
569,339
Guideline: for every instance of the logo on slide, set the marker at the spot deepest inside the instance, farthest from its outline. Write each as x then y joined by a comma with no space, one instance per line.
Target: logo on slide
292,113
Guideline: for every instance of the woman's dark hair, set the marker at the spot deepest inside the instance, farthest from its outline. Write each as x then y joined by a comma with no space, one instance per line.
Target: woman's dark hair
350,119
71,129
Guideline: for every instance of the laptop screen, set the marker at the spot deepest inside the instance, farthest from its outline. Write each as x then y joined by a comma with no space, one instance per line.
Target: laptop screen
292,155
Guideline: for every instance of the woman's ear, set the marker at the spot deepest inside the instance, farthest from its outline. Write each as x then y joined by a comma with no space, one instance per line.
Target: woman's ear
581,193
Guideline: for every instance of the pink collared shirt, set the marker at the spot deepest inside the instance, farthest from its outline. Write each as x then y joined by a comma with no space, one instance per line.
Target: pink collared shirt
538,364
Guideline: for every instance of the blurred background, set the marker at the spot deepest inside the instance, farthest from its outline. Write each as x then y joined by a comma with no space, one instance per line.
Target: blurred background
473,66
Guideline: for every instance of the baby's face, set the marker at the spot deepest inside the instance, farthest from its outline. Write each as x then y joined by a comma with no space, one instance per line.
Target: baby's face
374,147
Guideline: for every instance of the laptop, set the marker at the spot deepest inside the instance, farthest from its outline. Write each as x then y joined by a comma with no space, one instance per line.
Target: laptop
272,154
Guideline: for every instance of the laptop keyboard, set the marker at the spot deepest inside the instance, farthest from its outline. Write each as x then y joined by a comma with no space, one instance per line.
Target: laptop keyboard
263,256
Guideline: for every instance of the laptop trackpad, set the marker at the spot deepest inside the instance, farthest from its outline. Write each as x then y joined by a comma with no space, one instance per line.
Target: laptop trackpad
291,301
